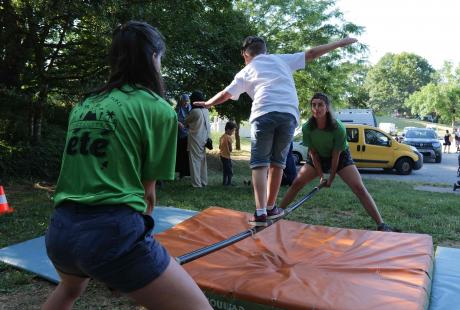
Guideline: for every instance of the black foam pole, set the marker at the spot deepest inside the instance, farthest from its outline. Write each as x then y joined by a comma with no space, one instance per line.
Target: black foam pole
188,257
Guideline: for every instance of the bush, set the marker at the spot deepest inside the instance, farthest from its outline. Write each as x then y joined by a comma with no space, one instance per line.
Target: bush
42,161
20,159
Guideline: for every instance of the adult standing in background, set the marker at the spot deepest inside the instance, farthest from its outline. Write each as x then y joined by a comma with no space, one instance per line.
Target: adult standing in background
457,139
447,142
183,109
199,131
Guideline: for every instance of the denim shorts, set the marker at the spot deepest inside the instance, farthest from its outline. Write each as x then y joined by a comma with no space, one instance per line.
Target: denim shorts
271,135
112,244
344,161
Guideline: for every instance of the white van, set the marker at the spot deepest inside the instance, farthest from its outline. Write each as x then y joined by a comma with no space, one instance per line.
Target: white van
357,116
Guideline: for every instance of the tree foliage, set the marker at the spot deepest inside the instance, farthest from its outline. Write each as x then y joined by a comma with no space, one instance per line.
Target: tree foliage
394,78
52,52
296,25
441,98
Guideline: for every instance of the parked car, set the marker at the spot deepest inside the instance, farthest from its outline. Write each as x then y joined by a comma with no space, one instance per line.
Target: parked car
299,151
371,147
389,128
405,129
426,141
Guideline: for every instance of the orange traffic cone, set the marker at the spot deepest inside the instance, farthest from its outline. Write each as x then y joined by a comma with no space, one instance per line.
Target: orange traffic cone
4,208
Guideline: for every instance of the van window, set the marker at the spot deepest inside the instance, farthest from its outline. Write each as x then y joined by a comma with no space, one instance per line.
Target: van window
375,137
352,134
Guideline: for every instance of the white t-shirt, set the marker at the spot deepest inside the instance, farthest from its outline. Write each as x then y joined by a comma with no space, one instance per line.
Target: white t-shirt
268,80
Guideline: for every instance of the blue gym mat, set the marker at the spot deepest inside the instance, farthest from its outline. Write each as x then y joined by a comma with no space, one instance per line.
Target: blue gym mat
445,291
31,255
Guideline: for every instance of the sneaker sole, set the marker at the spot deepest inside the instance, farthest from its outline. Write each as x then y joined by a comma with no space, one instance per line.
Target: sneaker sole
272,217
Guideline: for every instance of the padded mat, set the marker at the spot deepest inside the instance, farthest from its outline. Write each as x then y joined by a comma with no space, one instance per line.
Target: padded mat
31,254
445,294
291,265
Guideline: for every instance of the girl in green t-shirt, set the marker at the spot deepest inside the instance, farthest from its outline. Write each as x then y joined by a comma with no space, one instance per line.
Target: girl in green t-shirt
328,153
121,139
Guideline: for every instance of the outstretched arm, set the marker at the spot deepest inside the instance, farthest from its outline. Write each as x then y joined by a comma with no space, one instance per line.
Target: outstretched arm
219,98
320,50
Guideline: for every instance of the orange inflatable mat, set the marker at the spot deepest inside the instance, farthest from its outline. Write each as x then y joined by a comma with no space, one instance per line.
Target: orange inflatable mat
291,265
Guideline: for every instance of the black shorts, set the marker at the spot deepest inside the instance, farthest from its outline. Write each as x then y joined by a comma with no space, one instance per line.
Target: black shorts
344,161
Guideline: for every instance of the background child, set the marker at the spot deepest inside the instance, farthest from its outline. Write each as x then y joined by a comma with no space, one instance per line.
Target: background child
225,146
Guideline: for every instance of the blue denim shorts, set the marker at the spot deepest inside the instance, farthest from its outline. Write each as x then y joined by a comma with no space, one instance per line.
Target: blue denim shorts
271,135
112,244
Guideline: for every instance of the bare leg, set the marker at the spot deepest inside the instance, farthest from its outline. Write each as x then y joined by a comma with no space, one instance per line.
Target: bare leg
174,289
65,294
259,182
275,174
305,175
350,175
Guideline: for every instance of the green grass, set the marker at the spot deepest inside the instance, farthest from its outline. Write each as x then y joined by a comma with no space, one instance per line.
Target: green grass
436,214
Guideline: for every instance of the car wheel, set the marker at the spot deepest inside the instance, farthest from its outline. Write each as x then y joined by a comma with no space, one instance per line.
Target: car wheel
438,159
297,158
404,166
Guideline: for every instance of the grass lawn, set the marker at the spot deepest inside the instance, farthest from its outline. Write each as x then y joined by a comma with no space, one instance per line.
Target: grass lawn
412,211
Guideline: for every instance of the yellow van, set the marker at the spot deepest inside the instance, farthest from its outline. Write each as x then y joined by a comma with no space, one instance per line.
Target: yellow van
371,147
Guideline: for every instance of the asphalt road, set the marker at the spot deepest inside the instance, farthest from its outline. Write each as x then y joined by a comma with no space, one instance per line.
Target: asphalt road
444,172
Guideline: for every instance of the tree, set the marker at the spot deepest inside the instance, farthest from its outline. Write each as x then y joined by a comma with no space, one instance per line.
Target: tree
441,98
54,51
394,78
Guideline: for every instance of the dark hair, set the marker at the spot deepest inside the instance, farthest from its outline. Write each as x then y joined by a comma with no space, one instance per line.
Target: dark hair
331,123
197,95
230,126
254,46
131,58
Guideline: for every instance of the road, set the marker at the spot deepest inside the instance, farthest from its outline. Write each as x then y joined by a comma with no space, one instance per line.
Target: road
445,172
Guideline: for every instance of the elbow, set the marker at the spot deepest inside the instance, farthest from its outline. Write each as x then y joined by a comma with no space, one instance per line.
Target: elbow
225,95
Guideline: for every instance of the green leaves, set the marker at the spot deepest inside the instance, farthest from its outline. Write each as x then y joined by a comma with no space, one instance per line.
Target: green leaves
441,97
394,78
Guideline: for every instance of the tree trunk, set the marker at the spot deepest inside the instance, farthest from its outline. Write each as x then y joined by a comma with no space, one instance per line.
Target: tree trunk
237,135
38,110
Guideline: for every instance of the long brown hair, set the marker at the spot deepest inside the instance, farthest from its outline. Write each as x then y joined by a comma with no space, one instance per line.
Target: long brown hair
131,59
331,122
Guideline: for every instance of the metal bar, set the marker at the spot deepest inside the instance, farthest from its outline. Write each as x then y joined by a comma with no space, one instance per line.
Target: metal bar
188,257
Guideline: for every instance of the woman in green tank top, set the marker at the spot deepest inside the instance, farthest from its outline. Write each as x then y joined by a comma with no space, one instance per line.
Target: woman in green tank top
328,153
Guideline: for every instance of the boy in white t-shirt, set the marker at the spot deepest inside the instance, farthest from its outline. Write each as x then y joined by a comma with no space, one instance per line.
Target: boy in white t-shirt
268,80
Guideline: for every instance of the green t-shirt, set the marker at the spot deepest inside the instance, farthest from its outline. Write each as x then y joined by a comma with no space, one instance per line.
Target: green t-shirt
325,141
115,142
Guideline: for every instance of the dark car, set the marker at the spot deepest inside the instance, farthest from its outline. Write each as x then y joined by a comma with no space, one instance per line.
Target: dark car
426,141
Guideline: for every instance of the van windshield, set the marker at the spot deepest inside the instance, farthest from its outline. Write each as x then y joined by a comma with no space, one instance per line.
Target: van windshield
421,134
